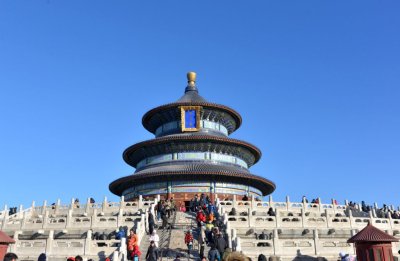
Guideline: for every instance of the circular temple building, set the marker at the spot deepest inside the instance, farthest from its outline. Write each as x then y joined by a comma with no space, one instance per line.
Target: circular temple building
191,153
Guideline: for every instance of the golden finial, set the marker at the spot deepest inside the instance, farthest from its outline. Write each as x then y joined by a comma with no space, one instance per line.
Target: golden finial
191,76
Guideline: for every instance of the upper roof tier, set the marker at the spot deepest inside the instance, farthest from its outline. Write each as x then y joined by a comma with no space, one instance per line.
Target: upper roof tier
158,117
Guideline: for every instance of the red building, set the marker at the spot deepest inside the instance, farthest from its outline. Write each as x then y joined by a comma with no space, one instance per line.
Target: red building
373,244
5,240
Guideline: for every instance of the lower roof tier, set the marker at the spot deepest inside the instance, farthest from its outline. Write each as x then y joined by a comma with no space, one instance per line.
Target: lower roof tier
197,172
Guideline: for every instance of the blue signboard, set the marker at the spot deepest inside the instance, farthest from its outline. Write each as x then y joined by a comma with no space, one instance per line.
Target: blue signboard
190,119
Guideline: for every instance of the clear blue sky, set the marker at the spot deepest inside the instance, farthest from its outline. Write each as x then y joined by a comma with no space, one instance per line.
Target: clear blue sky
317,83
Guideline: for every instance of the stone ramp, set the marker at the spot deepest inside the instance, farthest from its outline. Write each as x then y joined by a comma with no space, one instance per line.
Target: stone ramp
182,222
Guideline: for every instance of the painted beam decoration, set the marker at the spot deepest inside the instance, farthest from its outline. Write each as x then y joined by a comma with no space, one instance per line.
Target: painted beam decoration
190,118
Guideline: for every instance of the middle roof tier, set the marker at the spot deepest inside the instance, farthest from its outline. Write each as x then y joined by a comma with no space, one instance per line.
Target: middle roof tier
242,153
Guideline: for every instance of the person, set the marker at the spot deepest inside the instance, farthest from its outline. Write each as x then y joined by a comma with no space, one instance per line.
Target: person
271,212
220,243
158,209
164,218
154,237
71,258
135,255
78,258
232,212
120,234
261,257
132,242
177,258
211,209
182,207
209,230
211,217
42,257
202,241
263,236
152,253
344,256
213,254
167,207
200,218
151,222
245,198
10,257
76,203
189,240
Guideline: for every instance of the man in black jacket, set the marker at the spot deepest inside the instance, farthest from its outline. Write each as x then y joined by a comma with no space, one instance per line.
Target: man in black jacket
220,243
152,252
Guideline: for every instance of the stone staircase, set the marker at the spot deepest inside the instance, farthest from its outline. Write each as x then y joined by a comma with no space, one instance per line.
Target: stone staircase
172,242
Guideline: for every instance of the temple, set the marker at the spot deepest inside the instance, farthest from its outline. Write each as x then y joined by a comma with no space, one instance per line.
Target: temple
191,153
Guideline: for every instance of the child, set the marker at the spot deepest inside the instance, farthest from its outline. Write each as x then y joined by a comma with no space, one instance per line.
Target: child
189,240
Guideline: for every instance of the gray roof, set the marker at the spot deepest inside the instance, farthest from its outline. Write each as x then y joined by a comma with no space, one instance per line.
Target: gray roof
191,95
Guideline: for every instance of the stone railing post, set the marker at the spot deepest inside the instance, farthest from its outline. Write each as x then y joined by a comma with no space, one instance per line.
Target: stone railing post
328,221
288,203
69,218
271,202
33,207
20,212
391,225
234,204
72,205
277,250
238,244
88,206
122,202
278,220
250,221
88,241
57,208
115,255
140,201
13,247
372,213
234,234
3,226
225,218
46,219
303,218
230,245
24,219
105,204
319,205
120,218
146,219
49,243
351,219
123,248
316,242
94,218
44,208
